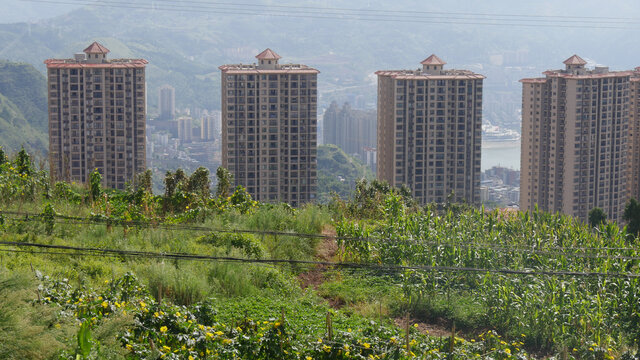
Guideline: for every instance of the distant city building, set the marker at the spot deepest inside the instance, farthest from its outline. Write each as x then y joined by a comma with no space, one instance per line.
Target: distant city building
500,187
352,130
167,103
97,116
579,142
429,131
508,176
210,129
371,158
185,129
269,128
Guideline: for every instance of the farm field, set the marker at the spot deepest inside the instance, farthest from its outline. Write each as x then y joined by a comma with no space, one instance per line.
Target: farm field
88,273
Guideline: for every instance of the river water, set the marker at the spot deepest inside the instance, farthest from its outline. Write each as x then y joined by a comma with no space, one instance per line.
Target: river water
504,154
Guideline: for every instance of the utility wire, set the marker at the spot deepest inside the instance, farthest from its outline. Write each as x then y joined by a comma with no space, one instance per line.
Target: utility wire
347,265
567,251
346,16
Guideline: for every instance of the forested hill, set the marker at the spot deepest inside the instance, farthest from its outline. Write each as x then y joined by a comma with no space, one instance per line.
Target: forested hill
23,107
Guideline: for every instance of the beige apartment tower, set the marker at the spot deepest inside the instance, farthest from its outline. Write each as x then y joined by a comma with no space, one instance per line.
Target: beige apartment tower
578,130
269,128
429,131
97,115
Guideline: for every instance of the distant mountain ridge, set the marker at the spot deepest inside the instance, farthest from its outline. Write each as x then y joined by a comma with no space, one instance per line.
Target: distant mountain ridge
23,108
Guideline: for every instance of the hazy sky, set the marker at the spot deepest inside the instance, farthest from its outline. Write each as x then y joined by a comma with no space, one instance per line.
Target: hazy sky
12,11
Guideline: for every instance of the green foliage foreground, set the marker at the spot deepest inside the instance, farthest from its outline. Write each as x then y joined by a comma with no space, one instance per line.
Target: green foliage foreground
57,306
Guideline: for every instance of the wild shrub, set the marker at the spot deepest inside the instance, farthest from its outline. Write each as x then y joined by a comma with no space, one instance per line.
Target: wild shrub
247,243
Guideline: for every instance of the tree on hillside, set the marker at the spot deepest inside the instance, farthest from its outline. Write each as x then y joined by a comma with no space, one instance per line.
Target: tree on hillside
199,183
144,181
596,217
225,179
632,216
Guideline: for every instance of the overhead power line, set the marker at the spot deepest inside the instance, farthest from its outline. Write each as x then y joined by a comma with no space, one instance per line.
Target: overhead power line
364,14
550,251
347,265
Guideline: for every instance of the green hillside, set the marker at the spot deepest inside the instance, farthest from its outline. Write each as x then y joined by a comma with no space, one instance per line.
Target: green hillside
23,108
338,172
25,86
15,130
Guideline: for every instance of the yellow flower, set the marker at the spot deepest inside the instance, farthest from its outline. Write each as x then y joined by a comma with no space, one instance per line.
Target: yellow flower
226,341
508,351
190,357
163,329
166,348
366,345
129,347
105,304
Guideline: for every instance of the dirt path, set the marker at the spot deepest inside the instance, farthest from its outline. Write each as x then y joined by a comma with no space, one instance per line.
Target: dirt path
326,251
438,330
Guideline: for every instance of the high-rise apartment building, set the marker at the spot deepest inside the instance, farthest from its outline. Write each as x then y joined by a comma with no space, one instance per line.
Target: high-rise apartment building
97,115
578,127
429,131
269,125
167,102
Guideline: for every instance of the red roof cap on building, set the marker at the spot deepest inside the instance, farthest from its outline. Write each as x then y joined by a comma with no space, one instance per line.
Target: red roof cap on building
433,60
96,48
574,60
268,54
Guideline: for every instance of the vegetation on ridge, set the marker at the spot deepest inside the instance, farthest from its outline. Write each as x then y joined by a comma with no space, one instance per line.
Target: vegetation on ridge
530,291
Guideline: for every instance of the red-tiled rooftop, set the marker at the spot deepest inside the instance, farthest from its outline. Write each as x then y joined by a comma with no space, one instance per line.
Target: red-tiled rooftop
116,63
432,60
268,54
96,48
590,75
251,69
451,74
574,60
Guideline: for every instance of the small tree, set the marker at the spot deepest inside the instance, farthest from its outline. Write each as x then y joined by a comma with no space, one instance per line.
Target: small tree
95,189
225,178
169,185
23,162
180,179
144,182
3,156
199,183
632,216
597,217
